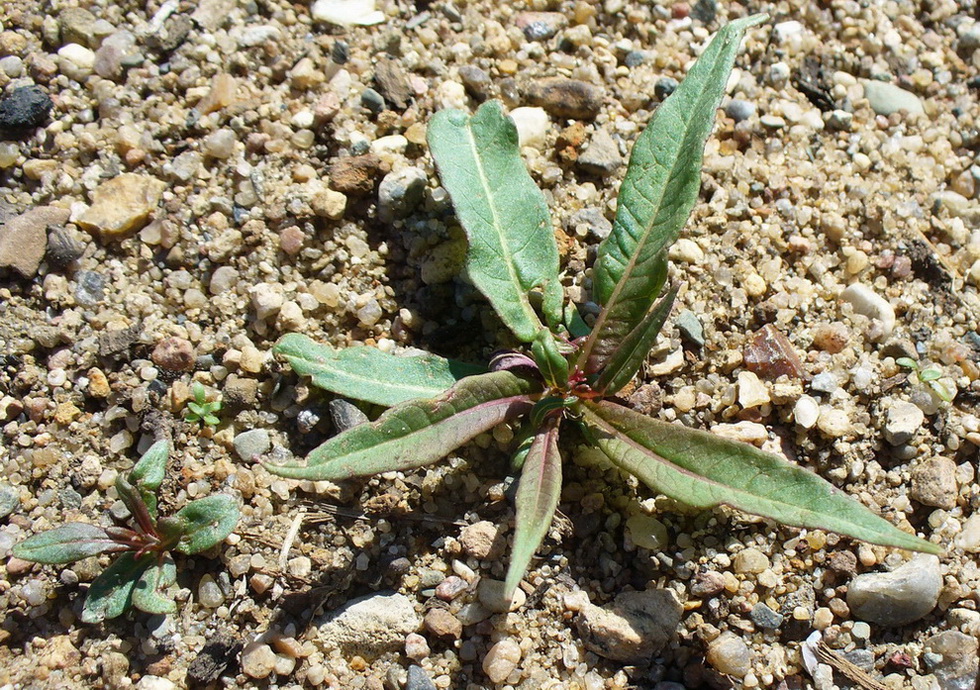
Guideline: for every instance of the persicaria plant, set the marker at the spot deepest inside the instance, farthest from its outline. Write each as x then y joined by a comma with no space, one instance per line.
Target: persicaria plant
145,571
570,372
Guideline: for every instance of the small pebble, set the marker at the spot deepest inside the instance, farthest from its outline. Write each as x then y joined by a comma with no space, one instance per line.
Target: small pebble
664,87
886,98
751,560
635,626
751,391
897,598
739,110
416,646
902,421
824,382
501,660
728,654
442,623
566,97
418,679
869,303
483,540
765,617
208,593
934,483
252,444
175,354
806,412
258,660
770,354
491,595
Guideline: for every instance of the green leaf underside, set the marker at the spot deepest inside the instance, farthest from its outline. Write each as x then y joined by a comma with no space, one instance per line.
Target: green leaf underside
149,471
418,432
147,475
67,543
552,364
537,499
627,359
111,592
512,248
366,373
703,470
657,194
150,591
206,522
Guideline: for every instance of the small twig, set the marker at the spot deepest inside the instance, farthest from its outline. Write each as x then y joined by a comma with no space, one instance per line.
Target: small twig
326,511
846,668
287,542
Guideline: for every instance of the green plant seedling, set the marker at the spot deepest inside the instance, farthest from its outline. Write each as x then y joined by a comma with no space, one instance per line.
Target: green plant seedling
930,376
199,409
145,570
570,373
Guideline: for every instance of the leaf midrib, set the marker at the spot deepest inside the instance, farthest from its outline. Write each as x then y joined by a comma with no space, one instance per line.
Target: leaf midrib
360,378
508,255
622,437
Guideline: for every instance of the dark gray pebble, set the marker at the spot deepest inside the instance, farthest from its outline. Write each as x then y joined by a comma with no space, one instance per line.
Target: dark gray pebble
345,415
25,108
765,617
418,680
477,82
372,100
89,288
664,87
690,328
634,58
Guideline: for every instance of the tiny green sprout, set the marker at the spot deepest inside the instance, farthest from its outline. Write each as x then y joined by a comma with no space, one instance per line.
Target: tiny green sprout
929,376
569,373
144,573
199,409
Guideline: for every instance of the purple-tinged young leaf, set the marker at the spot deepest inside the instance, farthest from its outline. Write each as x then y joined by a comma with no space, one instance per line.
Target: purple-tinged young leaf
418,432
206,522
703,470
537,499
150,591
111,592
366,373
511,360
68,543
136,503
626,359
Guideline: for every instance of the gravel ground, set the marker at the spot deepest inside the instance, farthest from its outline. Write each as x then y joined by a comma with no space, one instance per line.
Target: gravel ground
182,183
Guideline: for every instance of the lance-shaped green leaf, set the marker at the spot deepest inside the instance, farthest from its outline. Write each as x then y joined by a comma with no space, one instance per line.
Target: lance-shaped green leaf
366,373
418,432
111,592
512,248
703,470
150,591
67,543
149,471
537,499
633,350
147,474
203,523
657,194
